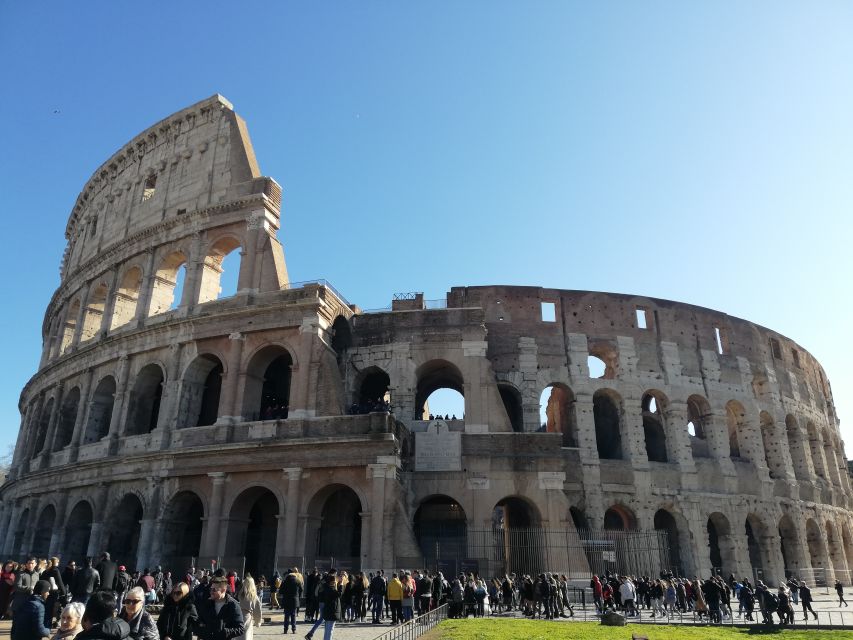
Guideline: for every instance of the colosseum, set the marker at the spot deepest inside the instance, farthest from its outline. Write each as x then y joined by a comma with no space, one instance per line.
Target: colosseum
281,425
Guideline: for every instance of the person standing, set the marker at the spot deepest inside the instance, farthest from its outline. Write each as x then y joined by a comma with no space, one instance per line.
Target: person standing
377,596
28,621
839,589
250,606
7,587
219,617
330,598
179,616
25,581
806,599
107,570
57,591
289,594
395,599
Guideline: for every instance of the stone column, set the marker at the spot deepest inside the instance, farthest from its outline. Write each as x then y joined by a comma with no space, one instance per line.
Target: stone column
58,534
192,281
553,483
210,536
590,465
170,402
287,531
98,516
148,549
232,382
109,305
249,277
33,426
11,528
55,413
378,473
81,316
29,537
301,405
678,440
83,408
20,443
144,300
118,416
5,516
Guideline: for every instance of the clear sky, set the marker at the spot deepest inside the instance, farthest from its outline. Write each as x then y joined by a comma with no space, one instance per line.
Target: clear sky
697,151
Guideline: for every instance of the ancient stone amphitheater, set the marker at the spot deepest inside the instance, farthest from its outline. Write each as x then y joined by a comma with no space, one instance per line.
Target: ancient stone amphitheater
169,424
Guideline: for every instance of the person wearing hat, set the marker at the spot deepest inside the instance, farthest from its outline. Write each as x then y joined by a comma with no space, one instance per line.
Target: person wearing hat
28,622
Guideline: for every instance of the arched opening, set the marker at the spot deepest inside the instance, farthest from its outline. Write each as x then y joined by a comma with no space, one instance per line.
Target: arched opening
144,410
557,413
67,418
70,326
78,528
101,410
123,534
619,518
665,521
836,554
441,530
200,391
830,459
515,513
374,392
720,544
602,359
517,532
578,518
182,527
267,394
126,298
754,532
440,390
796,446
94,316
653,405
221,270
43,424
735,416
788,543
607,416
847,544
44,530
698,419
341,336
772,446
339,530
817,551
816,449
21,531
511,398
168,284
252,530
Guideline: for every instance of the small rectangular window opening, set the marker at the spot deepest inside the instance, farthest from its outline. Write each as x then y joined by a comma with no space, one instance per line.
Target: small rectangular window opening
149,188
549,312
796,355
775,349
642,322
722,341
94,228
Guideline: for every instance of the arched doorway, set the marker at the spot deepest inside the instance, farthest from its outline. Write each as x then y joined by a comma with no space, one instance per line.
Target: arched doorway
443,379
67,419
77,531
653,406
44,530
144,411
101,410
698,420
788,543
200,392
753,531
720,544
43,424
341,336
182,527
441,530
511,398
267,393
557,413
338,531
735,422
619,518
518,536
20,533
607,416
817,552
252,530
123,534
665,521
373,392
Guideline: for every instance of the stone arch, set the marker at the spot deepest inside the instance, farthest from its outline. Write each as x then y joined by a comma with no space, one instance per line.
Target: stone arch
559,412
373,386
341,336
143,413
432,376
721,545
516,512
735,424
69,327
517,532
336,523
212,268
441,530
67,419
772,445
126,297
620,518
100,410
816,450
44,529
201,388
699,420
579,518
830,458
166,281
42,427
788,544
268,379
513,405
93,316
817,550
678,536
834,549
182,528
847,544
21,530
607,414
123,530
759,556
253,528
654,405
796,446
78,529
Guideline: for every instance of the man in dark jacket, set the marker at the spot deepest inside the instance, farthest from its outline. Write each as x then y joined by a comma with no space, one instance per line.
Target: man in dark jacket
86,582
377,596
179,616
312,589
24,583
107,570
99,621
289,594
219,617
28,622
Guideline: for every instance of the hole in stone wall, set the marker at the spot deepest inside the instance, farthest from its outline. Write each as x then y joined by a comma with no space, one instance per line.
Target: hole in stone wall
180,277
549,312
641,318
775,349
149,188
722,341
596,366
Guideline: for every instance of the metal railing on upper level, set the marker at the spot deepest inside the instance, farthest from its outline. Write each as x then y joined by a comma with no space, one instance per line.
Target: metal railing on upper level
416,627
321,281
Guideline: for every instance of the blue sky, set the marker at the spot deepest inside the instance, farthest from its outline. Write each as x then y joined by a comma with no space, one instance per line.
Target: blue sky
699,151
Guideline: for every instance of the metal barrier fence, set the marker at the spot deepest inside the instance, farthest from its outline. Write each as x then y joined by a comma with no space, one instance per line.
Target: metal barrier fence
575,553
417,626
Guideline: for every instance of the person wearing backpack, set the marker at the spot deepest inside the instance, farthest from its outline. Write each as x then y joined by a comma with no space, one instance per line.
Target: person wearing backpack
123,583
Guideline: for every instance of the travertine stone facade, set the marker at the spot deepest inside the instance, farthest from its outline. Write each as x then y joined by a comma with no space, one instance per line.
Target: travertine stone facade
156,427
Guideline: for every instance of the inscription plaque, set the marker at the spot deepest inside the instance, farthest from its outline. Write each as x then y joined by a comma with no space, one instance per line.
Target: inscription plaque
438,449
